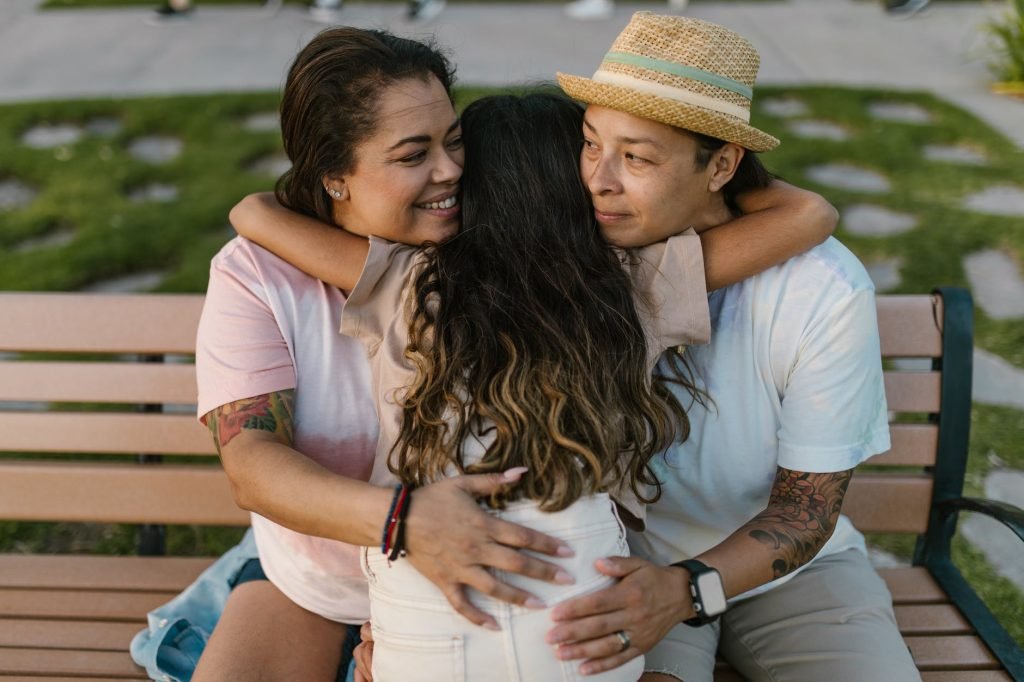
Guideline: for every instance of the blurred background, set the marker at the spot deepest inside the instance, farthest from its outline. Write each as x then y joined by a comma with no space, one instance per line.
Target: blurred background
129,128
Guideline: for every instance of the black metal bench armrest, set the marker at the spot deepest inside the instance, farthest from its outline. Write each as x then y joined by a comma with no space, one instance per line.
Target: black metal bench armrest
1009,515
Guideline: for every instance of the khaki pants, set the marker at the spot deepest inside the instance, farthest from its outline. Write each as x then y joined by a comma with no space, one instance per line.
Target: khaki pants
833,621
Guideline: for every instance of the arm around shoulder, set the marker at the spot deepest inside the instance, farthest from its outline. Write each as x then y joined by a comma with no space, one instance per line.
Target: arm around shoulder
779,222
324,251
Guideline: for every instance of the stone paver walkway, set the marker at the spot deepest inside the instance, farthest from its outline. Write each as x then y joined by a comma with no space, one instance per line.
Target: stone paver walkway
61,54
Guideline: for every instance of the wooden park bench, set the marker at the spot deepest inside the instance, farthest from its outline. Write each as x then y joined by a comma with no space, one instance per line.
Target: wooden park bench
86,375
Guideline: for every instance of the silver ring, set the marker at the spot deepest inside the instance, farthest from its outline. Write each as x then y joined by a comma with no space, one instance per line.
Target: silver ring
624,639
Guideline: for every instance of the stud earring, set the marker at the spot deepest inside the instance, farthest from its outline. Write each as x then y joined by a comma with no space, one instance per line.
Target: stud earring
333,192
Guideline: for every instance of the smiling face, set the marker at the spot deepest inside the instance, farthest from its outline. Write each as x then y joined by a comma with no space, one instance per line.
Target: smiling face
643,178
405,181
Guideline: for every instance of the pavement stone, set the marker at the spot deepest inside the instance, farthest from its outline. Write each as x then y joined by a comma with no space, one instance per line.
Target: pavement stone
996,283
848,177
267,121
885,273
273,166
868,220
899,112
1001,547
819,130
997,382
51,240
49,136
15,194
156,149
784,107
129,284
962,154
1000,200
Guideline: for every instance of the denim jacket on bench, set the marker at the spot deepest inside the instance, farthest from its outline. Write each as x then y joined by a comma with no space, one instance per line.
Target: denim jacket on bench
178,631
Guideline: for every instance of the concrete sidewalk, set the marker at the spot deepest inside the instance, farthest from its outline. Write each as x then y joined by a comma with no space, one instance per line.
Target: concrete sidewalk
103,52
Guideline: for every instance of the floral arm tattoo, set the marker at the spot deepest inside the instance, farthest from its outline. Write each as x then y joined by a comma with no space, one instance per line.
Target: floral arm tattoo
802,511
271,412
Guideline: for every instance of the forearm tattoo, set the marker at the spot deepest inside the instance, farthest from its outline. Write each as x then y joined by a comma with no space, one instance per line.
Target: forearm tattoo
272,412
802,511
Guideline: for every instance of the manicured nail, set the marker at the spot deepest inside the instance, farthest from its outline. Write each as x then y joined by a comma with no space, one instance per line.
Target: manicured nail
553,637
563,653
491,625
586,669
565,551
534,603
563,578
514,473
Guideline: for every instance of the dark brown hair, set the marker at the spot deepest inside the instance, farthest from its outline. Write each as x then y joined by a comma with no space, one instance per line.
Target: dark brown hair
525,324
330,100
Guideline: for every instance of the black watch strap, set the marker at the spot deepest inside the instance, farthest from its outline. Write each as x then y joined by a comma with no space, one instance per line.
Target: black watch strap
696,568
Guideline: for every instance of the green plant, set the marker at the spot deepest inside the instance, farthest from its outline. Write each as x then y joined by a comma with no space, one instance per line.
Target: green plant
1008,35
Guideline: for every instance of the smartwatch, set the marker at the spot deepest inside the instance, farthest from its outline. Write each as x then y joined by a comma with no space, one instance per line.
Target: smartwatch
707,592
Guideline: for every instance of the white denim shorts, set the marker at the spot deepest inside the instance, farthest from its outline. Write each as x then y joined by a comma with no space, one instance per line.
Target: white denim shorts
418,636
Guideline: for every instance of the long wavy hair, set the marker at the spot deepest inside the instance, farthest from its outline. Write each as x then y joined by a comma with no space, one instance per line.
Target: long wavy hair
524,325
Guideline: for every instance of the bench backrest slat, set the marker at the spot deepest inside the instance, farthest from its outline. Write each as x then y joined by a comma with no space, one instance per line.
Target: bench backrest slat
106,433
910,326
99,323
889,503
912,445
101,382
913,391
51,491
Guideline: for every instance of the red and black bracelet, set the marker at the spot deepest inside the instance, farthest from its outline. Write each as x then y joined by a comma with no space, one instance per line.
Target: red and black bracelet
393,542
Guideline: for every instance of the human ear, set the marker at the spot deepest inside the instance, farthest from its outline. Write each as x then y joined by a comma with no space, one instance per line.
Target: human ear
725,163
336,187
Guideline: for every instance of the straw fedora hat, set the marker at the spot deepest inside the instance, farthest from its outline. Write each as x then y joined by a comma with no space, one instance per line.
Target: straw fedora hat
685,72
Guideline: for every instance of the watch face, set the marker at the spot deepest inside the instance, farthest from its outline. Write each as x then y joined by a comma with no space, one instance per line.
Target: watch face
709,586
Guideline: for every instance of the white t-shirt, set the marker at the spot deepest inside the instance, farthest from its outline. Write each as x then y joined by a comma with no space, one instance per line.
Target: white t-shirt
794,370
267,327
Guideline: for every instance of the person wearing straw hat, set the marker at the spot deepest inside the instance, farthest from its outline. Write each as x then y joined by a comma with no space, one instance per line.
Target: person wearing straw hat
746,553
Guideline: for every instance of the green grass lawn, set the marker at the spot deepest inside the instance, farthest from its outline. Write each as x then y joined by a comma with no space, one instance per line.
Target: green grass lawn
82,191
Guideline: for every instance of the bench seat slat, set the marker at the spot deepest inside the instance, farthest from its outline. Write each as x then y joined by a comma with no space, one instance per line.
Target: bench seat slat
70,572
931,619
912,445
889,503
101,382
62,634
965,676
124,606
110,664
98,323
117,493
912,586
913,391
954,652
104,432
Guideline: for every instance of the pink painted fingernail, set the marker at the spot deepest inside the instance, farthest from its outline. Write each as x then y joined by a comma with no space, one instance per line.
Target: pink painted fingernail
514,473
585,670
534,603
565,551
563,578
563,654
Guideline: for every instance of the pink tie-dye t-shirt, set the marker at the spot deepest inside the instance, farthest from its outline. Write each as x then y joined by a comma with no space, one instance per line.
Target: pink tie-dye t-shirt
268,327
